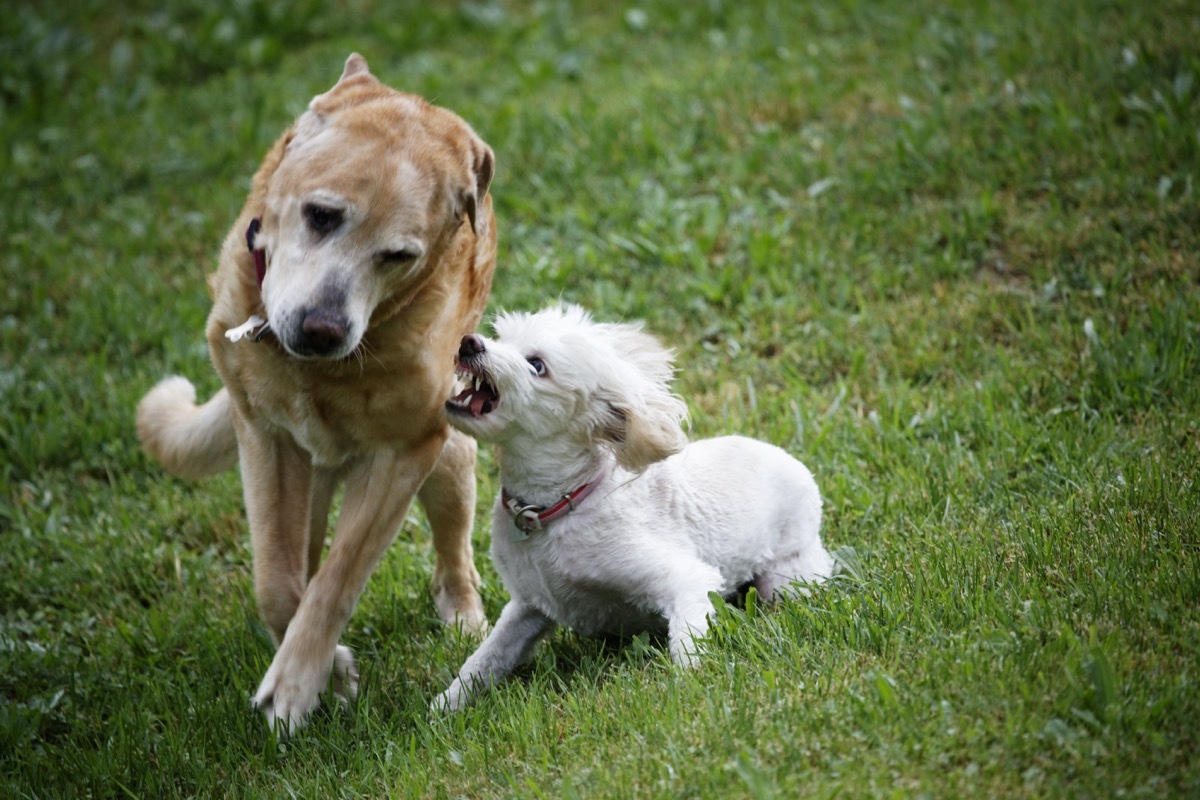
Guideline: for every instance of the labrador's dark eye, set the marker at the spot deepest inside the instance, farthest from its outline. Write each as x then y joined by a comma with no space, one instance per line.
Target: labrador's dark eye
322,220
539,366
395,258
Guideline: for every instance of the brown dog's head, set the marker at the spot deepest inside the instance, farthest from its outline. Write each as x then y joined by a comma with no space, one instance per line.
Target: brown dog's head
371,189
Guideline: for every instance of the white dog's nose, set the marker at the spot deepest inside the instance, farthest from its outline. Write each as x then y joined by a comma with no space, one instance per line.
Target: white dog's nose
471,345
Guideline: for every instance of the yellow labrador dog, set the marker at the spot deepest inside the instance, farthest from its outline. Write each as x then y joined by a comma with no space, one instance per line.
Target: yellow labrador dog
363,255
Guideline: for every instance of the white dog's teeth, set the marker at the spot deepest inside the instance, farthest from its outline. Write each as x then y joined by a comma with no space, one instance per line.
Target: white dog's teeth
478,382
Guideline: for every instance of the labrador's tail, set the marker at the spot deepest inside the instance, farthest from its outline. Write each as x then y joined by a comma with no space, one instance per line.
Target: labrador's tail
189,440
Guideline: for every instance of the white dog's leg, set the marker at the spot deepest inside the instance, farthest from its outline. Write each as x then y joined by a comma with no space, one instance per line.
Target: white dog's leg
685,624
511,641
686,607
779,579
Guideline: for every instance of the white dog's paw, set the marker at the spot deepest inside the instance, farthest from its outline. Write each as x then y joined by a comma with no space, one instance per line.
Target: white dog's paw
291,689
685,651
453,699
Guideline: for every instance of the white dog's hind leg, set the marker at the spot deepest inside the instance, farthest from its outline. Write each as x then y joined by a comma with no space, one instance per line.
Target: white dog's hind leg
511,641
684,600
810,566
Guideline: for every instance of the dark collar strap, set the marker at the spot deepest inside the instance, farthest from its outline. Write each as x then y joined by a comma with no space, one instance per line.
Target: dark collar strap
260,254
530,519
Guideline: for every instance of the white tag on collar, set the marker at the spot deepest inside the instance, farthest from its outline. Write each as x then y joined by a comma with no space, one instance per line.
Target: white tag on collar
245,329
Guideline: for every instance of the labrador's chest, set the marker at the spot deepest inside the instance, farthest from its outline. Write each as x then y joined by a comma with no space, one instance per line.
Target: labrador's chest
339,412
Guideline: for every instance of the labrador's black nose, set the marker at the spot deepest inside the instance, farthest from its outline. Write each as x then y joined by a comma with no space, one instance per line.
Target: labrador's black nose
322,332
471,345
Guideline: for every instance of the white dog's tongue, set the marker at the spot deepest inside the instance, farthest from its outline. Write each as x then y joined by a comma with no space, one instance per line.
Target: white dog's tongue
481,399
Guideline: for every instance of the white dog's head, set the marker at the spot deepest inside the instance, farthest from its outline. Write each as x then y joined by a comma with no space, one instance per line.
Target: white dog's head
557,376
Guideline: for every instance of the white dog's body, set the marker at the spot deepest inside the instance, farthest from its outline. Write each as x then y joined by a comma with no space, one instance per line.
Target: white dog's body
571,403
644,546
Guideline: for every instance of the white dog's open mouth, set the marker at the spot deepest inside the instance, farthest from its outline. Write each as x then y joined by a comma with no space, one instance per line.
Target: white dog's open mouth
474,394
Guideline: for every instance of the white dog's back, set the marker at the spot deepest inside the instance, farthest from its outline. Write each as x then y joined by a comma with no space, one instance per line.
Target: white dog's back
753,506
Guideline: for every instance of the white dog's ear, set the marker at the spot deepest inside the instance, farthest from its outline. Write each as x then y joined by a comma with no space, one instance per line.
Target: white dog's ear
641,419
645,432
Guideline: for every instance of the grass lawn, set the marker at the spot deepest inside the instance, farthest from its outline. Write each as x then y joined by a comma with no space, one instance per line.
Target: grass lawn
946,254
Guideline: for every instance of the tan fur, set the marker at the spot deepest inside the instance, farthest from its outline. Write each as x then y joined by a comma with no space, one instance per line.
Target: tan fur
410,176
189,440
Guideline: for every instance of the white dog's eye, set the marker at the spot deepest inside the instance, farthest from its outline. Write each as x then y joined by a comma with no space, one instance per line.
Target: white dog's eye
539,366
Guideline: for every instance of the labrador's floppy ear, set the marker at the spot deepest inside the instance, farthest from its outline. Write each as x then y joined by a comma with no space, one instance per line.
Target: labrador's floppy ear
483,168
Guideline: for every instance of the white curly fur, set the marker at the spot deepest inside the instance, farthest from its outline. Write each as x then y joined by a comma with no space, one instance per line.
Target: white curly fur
668,521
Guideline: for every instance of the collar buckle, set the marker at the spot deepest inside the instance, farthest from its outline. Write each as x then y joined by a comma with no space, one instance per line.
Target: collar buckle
527,520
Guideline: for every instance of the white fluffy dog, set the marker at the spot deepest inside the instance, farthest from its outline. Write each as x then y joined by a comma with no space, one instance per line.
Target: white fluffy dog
609,521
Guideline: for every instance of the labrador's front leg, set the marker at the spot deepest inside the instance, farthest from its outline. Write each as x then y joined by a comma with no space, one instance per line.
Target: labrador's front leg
378,493
277,479
449,500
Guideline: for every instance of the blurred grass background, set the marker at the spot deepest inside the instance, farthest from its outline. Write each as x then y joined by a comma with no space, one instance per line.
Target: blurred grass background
945,253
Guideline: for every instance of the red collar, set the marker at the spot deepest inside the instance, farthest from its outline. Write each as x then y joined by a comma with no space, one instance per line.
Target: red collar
259,254
530,519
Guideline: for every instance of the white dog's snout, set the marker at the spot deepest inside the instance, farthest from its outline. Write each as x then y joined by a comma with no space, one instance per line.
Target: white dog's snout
471,345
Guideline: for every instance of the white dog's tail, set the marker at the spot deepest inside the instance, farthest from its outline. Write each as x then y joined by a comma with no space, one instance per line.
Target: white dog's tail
189,440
